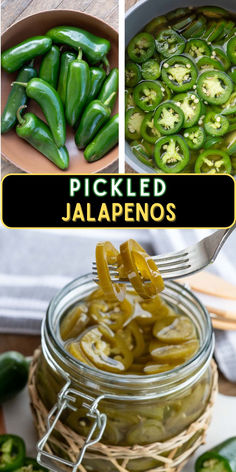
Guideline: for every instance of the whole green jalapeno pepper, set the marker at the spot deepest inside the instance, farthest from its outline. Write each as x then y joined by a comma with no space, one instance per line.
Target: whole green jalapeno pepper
48,99
33,130
66,58
94,48
49,68
97,77
104,141
95,115
15,57
16,98
109,86
78,83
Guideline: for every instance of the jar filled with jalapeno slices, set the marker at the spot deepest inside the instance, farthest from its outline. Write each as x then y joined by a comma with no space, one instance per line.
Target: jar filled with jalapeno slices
142,363
180,92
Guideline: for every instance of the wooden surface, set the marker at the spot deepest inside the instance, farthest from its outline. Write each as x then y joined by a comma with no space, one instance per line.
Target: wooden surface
15,10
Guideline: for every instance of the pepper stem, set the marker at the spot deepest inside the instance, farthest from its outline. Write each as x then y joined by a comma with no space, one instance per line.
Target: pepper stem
18,114
109,99
106,63
80,53
24,84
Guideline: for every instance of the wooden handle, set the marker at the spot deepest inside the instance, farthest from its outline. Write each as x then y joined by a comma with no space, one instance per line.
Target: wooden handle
210,284
225,314
223,324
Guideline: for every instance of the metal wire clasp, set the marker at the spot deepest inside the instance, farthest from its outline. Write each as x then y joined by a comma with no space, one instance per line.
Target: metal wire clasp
66,399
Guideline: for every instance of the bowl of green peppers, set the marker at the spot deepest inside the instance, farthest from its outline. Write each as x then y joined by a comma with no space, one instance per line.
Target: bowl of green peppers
59,93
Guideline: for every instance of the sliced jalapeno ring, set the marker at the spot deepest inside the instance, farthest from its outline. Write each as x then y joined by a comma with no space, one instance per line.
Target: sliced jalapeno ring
191,106
141,153
140,267
12,452
132,74
215,87
213,12
170,353
213,161
183,23
141,47
197,48
133,121
168,118
148,95
205,63
231,50
178,13
171,154
196,29
232,74
154,25
174,330
215,124
148,130
106,350
179,73
213,142
219,55
151,70
129,99
168,43
194,137
106,254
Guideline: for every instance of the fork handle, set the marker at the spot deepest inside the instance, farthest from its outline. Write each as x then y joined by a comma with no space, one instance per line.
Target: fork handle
219,238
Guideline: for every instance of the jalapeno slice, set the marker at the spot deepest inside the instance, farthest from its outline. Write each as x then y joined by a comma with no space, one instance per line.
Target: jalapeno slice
194,137
133,120
171,154
146,432
196,29
106,350
215,87
179,73
230,106
132,74
141,47
148,130
197,48
129,99
168,43
151,70
133,338
147,95
174,330
183,23
231,50
168,118
154,25
12,452
107,254
213,161
191,106
216,124
206,63
220,56
213,142
230,141
232,74
141,267
213,12
141,153
171,353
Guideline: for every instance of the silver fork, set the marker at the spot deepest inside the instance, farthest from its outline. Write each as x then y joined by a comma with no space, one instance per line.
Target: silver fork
186,262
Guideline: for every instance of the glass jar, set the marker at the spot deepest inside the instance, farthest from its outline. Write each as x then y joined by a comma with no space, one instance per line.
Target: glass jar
115,409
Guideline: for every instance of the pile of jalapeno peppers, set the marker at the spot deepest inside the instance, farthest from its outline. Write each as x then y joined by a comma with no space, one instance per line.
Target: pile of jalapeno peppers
181,92
73,84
